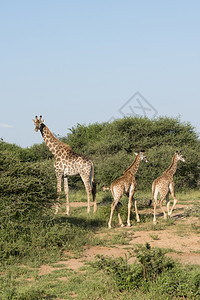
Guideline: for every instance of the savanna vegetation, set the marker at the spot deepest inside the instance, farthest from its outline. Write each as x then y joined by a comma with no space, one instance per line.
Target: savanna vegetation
112,147
31,234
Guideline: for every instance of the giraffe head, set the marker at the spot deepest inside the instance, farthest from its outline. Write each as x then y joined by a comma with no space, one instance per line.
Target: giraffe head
38,122
179,156
142,156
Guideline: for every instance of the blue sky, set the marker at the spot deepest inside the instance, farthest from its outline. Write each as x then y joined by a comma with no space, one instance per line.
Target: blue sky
81,61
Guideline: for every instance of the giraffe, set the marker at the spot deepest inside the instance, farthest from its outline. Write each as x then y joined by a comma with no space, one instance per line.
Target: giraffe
126,185
164,185
68,163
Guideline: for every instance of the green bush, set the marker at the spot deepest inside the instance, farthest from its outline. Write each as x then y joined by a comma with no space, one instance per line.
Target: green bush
154,274
28,182
112,145
9,290
27,189
193,210
27,197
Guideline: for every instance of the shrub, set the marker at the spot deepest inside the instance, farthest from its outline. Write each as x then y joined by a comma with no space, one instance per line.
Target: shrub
28,194
27,188
154,274
112,145
153,261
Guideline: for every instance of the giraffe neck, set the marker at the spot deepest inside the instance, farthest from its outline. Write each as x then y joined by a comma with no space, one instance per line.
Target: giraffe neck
134,166
172,168
52,143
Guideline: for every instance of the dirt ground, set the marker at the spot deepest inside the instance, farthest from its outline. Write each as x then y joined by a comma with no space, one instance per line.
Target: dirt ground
183,240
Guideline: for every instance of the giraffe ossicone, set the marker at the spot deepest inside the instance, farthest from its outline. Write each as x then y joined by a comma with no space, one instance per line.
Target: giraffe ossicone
68,163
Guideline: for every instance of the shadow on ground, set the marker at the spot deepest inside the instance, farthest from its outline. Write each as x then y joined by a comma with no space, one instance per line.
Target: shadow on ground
80,222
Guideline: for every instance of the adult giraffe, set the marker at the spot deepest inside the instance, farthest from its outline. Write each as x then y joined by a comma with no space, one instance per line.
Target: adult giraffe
68,163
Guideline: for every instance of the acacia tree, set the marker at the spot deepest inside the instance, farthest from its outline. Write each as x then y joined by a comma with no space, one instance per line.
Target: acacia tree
112,145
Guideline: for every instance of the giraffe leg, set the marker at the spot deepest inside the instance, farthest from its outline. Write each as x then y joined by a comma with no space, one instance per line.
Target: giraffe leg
161,201
131,193
129,210
136,211
59,187
154,205
66,188
88,188
171,187
113,206
154,212
168,203
119,217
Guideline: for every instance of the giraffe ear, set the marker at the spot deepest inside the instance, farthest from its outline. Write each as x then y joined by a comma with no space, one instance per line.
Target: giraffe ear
136,153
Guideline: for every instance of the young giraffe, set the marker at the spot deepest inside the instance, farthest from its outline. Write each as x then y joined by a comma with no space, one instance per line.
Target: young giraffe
67,163
126,185
164,185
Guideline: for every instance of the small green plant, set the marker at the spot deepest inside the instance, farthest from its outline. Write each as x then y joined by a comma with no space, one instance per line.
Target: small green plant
155,274
118,268
153,261
154,236
193,210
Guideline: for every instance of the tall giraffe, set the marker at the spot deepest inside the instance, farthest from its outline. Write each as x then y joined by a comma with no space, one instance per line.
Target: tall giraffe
68,163
164,185
126,185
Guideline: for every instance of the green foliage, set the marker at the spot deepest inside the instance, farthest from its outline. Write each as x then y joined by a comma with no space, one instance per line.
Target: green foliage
155,274
119,270
28,183
81,135
26,188
193,210
28,192
129,277
112,147
35,153
153,261
9,289
40,239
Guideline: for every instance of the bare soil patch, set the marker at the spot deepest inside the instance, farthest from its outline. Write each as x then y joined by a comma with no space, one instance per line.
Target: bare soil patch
182,240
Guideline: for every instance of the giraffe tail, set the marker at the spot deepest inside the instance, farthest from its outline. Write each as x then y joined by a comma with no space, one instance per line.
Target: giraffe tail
93,184
153,192
94,191
150,202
